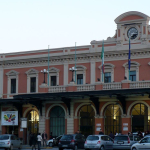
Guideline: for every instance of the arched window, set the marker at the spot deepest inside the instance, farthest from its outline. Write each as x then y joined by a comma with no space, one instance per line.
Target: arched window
57,121
87,120
134,71
112,117
33,122
140,112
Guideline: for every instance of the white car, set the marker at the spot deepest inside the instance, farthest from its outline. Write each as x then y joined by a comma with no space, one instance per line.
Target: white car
143,144
54,141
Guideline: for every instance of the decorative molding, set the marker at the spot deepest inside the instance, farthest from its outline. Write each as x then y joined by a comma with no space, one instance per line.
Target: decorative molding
32,71
12,73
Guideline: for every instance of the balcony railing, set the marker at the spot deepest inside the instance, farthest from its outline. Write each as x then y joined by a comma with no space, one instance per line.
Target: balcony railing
140,84
86,87
114,85
55,89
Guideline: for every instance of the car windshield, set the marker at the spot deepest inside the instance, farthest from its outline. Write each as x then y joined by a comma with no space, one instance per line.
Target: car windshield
91,138
67,137
122,138
4,137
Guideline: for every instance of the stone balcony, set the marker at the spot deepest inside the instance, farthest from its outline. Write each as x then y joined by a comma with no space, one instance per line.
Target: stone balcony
125,84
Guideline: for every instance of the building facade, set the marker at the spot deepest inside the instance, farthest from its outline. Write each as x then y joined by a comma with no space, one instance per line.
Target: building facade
62,101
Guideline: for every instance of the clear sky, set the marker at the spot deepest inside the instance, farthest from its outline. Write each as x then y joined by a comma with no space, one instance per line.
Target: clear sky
35,24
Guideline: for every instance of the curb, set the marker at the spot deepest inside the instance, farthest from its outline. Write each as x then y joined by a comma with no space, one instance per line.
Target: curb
37,147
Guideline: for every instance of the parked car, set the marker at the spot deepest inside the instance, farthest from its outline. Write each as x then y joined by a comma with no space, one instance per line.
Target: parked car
54,141
71,141
9,141
134,139
98,142
143,144
122,142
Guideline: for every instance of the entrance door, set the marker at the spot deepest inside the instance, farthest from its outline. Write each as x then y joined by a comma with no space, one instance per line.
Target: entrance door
57,121
87,121
112,119
140,118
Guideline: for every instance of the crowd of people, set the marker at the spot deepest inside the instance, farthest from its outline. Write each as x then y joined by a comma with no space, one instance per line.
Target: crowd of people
33,140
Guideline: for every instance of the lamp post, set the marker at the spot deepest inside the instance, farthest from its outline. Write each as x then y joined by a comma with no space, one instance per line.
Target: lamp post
72,69
44,71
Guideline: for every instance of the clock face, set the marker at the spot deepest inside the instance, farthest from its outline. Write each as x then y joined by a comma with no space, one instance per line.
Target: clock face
132,33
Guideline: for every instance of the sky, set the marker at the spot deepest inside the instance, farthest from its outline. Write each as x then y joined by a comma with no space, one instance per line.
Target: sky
34,24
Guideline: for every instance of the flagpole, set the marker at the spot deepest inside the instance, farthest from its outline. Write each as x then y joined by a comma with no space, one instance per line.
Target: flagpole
75,62
129,61
48,67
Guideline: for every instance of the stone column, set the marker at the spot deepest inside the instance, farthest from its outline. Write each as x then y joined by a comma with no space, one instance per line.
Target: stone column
70,120
42,120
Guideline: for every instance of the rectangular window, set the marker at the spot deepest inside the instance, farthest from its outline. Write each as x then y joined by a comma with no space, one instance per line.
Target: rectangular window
13,85
53,80
33,84
79,78
133,75
107,77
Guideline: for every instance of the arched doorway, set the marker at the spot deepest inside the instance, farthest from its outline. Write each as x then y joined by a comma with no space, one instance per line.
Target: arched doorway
140,118
57,121
33,122
87,120
112,117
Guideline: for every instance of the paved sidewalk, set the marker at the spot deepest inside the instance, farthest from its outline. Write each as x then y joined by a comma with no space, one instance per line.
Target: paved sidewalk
29,147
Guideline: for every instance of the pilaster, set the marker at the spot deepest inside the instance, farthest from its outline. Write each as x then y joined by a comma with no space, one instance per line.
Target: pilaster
66,74
92,72
42,120
70,120
1,81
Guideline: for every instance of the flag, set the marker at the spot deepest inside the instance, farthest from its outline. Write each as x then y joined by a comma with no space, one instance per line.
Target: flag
102,57
129,59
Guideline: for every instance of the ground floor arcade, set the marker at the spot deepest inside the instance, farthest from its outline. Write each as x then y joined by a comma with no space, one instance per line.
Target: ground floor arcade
83,113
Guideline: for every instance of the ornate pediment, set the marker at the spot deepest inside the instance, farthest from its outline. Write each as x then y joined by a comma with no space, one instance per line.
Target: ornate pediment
32,71
80,67
12,73
53,69
107,65
132,63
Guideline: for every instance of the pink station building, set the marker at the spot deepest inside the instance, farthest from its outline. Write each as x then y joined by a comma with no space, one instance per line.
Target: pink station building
81,100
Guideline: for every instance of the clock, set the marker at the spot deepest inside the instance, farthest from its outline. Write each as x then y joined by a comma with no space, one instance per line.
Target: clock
132,33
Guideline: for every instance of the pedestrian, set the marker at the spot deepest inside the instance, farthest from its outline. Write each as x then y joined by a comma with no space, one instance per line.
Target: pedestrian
111,135
44,138
101,132
78,132
116,133
39,139
30,139
131,134
33,141
51,135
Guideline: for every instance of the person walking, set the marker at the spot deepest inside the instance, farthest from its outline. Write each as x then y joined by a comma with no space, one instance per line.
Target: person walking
101,132
33,141
111,135
30,139
39,139
44,138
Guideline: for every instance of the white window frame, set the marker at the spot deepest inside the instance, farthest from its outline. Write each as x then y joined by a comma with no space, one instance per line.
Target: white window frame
54,72
108,67
80,70
32,73
12,75
134,66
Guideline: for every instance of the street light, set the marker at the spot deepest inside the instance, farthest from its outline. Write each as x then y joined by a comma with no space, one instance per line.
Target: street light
72,69
44,71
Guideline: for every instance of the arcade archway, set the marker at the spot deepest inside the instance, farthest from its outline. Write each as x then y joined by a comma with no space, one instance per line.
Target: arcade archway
112,119
87,120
